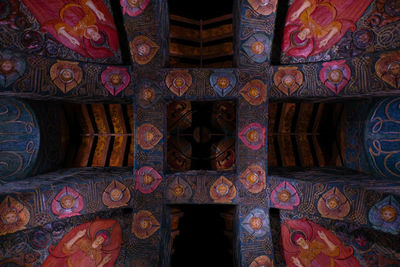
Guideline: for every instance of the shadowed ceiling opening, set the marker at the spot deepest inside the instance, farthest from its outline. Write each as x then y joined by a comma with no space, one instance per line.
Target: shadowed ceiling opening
201,33
201,135
202,235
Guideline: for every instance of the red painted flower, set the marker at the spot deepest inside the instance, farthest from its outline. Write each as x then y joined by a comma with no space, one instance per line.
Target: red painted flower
67,203
255,92
335,75
144,224
285,196
253,178
178,81
134,7
115,79
147,180
253,136
288,79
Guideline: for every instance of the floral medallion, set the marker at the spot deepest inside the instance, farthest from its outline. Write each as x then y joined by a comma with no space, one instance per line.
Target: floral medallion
115,79
116,195
11,68
285,196
148,94
263,7
223,82
13,216
253,178
256,223
335,75
179,190
134,7
143,49
253,136
144,224
333,205
255,92
147,180
256,47
67,203
384,215
66,75
178,81
363,38
288,79
262,261
148,136
223,190
388,68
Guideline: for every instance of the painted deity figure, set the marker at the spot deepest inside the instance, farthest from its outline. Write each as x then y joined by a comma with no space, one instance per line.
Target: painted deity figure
307,244
92,244
85,26
313,26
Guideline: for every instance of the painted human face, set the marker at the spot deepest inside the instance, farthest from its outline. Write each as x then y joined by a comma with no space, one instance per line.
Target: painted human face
7,66
394,69
252,136
67,202
147,94
388,214
10,217
116,194
303,34
116,79
143,49
148,179
332,203
149,136
178,190
257,48
284,195
93,34
302,243
98,241
223,82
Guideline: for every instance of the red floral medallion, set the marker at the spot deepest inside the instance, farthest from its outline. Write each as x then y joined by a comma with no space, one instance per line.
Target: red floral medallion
67,203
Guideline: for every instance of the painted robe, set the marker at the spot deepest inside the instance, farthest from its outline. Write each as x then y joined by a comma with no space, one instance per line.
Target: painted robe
75,16
82,253
321,16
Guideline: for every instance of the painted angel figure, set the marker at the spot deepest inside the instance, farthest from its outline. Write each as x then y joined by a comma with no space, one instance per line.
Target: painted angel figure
313,26
92,244
307,244
85,26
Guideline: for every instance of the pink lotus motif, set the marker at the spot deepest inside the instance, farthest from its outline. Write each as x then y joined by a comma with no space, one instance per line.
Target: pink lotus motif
115,79
335,75
253,136
134,7
285,196
147,179
67,203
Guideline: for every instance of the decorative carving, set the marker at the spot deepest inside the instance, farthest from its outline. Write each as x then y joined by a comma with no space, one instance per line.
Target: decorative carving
134,7
223,82
288,79
148,136
253,136
179,190
144,224
67,203
262,261
335,75
253,178
147,180
388,68
255,92
256,223
178,81
115,79
256,47
116,195
13,216
223,190
263,7
66,75
143,49
12,66
384,215
285,196
333,205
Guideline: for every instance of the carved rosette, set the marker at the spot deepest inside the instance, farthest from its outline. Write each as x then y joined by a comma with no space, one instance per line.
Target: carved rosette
256,223
384,215
134,7
288,79
253,178
143,49
335,75
285,196
256,47
253,136
116,195
147,180
12,66
144,224
13,216
263,7
148,136
223,190
255,92
66,75
67,203
333,205
262,261
115,79
179,190
178,81
223,82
